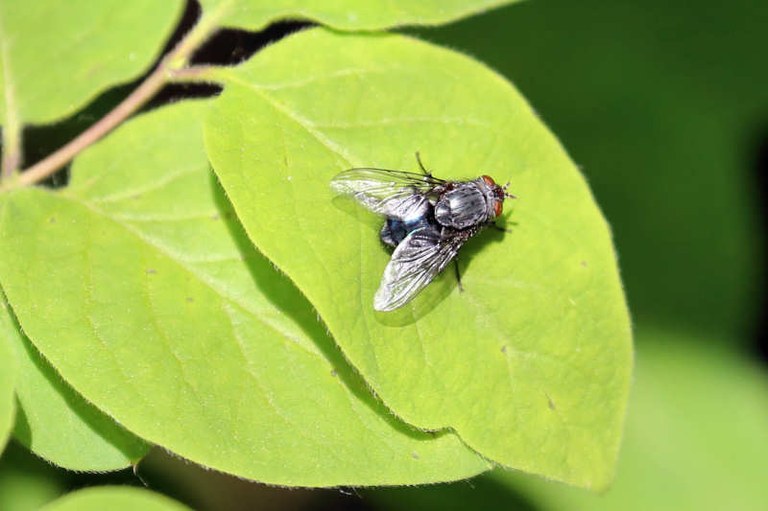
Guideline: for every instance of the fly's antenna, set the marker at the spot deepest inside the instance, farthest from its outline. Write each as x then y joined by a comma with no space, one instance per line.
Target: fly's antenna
506,193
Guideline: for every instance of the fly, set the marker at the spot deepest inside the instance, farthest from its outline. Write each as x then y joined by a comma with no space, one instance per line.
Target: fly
427,221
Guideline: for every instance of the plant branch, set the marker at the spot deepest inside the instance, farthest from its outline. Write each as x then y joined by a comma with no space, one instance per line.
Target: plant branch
46,167
195,74
11,145
11,125
174,63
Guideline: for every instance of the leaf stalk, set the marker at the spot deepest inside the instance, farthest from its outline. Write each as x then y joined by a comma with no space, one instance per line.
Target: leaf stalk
11,126
172,65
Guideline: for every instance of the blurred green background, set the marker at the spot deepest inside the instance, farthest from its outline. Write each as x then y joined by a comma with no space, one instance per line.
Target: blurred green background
664,106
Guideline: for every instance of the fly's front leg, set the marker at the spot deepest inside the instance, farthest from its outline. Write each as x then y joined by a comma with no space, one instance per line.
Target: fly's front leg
421,165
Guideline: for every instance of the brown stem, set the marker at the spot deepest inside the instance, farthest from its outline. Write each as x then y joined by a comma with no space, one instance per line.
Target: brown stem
128,106
174,63
204,74
11,125
11,147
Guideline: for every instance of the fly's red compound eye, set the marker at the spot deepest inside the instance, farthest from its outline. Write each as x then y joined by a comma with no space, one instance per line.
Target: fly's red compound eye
489,181
498,208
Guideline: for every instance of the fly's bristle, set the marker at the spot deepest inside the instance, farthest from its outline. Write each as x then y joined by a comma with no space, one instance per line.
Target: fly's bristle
506,193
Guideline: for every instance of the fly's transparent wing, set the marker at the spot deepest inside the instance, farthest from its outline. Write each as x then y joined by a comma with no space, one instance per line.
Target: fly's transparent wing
392,193
418,259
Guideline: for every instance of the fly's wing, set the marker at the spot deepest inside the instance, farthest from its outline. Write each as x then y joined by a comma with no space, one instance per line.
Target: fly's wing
418,259
391,193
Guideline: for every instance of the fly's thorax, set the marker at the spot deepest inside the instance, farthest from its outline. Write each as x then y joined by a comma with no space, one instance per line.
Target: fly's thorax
465,205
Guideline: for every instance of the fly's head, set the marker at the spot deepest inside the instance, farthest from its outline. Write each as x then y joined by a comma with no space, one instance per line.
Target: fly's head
494,195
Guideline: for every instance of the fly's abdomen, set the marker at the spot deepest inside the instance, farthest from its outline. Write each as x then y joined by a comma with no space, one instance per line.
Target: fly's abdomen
462,207
394,231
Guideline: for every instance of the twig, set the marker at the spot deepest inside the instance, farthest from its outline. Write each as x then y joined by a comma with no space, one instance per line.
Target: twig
128,106
11,125
172,65
195,74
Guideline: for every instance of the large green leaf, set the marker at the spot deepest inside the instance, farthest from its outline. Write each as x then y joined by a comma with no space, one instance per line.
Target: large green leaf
55,56
8,376
664,112
114,498
696,438
141,289
531,364
696,434
345,14
55,422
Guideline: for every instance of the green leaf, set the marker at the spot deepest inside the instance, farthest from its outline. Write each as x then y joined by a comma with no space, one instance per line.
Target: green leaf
114,498
696,433
55,56
8,377
27,482
531,364
55,422
141,289
672,162
345,14
695,439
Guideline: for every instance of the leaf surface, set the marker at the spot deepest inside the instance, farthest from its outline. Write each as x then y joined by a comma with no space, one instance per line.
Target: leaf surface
55,422
114,498
531,364
141,289
8,376
55,56
345,14
695,439
696,433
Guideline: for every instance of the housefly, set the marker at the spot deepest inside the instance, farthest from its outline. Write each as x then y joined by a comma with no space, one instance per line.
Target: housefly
427,221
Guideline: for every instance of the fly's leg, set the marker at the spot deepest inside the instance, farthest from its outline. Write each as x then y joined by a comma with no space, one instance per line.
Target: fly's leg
458,275
421,165
499,228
